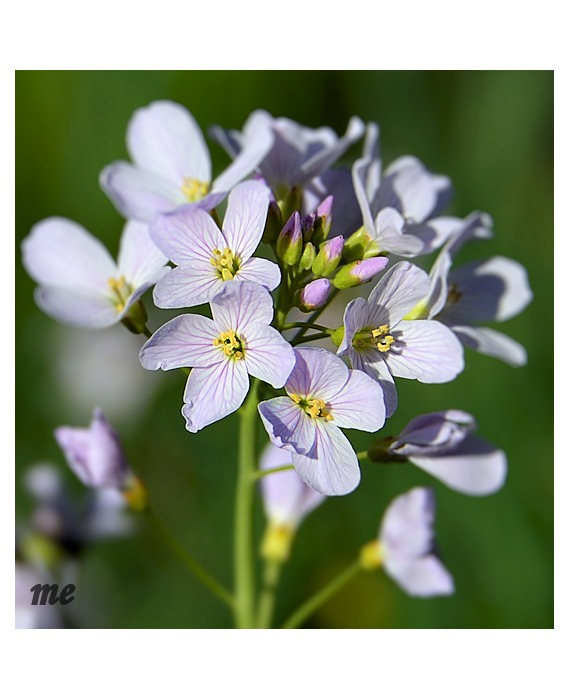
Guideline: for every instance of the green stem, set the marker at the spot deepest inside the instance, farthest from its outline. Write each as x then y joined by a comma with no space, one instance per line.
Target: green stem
310,321
244,501
147,332
267,472
309,338
320,598
201,574
306,326
268,596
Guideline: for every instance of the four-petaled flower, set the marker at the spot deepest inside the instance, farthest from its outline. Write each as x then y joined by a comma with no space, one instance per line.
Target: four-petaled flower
323,396
172,166
405,546
238,342
80,283
208,257
380,342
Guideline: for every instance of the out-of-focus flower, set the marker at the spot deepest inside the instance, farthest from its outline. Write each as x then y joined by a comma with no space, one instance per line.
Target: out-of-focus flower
496,289
443,445
207,257
238,342
287,500
323,396
405,546
172,166
80,283
38,616
380,342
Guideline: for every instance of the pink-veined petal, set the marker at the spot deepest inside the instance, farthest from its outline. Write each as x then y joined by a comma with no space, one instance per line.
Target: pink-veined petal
317,374
245,218
493,343
372,363
237,305
260,271
397,292
183,288
140,261
359,405
287,425
188,237
268,355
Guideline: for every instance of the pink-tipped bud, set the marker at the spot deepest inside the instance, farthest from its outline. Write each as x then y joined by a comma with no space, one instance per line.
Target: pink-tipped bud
359,272
329,257
314,295
290,242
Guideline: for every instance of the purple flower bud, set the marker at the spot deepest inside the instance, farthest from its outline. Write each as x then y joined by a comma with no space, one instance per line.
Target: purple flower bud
324,209
314,295
329,257
323,222
359,272
289,242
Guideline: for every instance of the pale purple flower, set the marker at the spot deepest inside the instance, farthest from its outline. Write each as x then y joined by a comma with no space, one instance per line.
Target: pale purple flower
298,155
496,289
171,164
405,546
287,500
208,257
380,342
323,395
80,283
95,454
238,342
443,445
397,208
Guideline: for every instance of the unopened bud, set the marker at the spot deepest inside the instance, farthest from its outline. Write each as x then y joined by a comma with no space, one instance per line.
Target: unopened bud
136,318
308,256
314,295
329,257
359,272
323,222
289,242
358,244
290,203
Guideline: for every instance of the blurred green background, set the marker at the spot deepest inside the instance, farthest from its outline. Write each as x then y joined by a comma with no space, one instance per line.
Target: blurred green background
492,133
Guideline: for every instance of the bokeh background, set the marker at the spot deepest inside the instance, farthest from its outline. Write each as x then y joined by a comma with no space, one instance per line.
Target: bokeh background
492,133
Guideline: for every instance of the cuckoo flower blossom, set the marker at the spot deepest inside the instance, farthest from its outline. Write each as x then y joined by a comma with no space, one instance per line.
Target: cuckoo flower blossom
238,342
443,445
80,283
485,291
298,153
380,342
287,501
323,396
208,257
405,546
171,164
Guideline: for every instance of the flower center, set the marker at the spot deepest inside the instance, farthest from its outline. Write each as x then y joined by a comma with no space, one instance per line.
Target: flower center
314,407
380,338
226,263
231,344
121,290
194,190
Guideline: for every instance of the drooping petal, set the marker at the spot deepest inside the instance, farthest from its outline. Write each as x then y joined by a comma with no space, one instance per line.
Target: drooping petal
245,218
184,341
164,138
317,374
493,343
286,498
260,271
475,467
183,288
425,350
359,405
332,467
433,433
61,253
213,392
371,361
287,425
237,306
137,193
495,289
397,292
140,261
74,308
424,577
268,356
188,237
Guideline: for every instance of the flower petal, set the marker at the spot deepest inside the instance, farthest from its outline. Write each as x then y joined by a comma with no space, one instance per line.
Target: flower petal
332,467
188,237
164,138
268,356
434,232
212,393
398,292
493,343
137,193
329,153
140,261
372,363
425,577
61,253
183,288
406,529
392,236
260,271
74,308
425,350
184,341
475,467
238,305
434,433
317,374
357,316
359,405
287,425
245,219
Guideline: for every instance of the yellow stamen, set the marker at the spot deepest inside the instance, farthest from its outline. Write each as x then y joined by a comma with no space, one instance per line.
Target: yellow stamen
384,340
231,344
226,263
120,291
194,190
314,407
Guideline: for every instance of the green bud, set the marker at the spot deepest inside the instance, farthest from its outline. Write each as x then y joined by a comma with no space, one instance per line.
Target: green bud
359,272
135,320
289,242
274,224
307,259
357,245
329,257
337,335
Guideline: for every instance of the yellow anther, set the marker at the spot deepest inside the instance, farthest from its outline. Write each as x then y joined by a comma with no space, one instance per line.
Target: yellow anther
295,397
384,340
226,263
231,344
314,407
193,189
382,330
121,290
